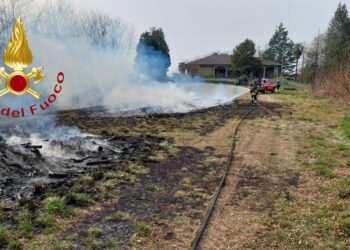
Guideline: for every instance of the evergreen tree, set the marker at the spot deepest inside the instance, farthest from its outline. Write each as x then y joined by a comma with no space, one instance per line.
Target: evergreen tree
243,60
281,49
337,41
153,57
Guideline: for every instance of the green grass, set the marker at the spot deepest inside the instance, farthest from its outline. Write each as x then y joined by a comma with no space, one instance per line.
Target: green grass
143,229
46,221
3,236
136,169
324,169
112,245
83,184
52,207
124,176
152,187
97,175
329,154
344,188
56,206
299,94
345,227
345,126
318,216
94,232
343,147
121,216
157,158
311,228
78,199
165,145
26,228
15,243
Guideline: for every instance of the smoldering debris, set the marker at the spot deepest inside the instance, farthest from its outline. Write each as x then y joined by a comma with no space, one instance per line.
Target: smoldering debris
27,168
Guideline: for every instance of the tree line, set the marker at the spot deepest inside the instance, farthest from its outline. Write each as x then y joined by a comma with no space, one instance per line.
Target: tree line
153,54
321,58
329,50
281,49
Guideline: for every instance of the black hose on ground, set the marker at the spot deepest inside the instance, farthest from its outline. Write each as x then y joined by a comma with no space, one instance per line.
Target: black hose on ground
204,224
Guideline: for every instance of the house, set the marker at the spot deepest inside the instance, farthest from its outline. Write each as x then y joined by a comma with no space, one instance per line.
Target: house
270,69
218,66
213,66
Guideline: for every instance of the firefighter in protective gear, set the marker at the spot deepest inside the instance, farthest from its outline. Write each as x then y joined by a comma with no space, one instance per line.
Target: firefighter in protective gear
254,91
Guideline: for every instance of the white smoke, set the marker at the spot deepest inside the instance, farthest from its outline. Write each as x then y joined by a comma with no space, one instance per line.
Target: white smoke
104,77
99,69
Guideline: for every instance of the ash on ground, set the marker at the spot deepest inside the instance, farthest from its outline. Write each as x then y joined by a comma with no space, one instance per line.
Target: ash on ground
29,161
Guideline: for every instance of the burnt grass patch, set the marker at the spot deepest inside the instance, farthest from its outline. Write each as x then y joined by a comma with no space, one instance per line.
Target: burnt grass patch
147,186
146,206
202,121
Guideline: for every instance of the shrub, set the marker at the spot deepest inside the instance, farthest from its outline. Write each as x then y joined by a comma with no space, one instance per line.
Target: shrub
283,82
243,79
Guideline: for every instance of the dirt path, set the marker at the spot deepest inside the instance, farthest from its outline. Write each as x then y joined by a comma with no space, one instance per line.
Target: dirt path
262,172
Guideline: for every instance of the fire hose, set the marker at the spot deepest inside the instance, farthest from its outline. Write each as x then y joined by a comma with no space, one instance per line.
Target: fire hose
210,211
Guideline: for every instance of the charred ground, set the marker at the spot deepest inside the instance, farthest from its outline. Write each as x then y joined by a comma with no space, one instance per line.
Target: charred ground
159,176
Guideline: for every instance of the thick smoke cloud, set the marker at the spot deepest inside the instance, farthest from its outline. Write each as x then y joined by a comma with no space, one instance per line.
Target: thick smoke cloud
97,55
151,62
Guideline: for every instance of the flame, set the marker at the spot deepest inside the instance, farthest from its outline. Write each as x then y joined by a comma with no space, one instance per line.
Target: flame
17,55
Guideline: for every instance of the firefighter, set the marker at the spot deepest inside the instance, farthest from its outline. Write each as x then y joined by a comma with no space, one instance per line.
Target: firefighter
254,91
258,81
278,85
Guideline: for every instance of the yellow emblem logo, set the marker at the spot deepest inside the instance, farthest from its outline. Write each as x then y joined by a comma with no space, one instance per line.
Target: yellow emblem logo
18,56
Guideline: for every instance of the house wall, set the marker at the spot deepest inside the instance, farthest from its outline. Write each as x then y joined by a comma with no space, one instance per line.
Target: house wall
205,71
271,72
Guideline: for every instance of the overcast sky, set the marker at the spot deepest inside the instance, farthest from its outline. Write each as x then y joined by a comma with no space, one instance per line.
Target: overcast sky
194,28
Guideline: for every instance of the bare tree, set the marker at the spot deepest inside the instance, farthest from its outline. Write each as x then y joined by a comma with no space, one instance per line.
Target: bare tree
10,10
60,20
